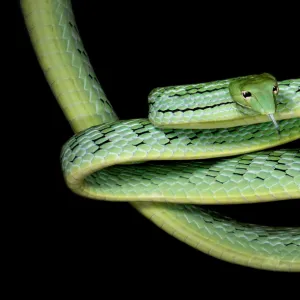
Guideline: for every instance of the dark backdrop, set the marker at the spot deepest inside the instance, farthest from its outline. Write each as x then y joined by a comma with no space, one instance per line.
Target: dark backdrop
130,60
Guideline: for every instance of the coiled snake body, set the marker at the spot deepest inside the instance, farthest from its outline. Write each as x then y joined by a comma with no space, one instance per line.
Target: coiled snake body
206,143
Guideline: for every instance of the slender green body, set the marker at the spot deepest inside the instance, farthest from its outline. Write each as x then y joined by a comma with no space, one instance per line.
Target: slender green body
210,105
164,171
243,179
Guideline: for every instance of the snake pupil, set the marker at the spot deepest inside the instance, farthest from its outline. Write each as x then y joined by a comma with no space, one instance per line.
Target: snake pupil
247,95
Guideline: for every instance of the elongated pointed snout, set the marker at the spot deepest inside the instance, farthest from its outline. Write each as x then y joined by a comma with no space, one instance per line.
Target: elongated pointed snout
264,103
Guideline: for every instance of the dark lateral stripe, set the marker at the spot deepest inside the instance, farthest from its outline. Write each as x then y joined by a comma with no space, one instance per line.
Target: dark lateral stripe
298,90
199,93
193,109
242,105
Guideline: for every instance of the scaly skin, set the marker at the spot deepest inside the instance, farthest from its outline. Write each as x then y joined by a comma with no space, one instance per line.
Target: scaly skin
247,178
210,105
94,161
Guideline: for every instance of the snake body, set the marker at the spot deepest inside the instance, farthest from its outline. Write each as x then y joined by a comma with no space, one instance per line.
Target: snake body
199,146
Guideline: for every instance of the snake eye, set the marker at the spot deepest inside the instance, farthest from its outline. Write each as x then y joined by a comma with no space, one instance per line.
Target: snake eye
276,89
247,95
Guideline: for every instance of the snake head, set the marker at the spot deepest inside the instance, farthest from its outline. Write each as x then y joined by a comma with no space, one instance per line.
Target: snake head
256,93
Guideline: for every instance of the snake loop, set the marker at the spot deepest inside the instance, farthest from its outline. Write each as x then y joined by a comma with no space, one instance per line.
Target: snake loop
208,143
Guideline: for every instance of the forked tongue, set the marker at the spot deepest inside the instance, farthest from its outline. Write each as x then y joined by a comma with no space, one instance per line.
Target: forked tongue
271,116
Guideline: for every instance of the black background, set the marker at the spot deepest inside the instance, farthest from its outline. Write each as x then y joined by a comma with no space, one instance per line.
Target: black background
130,60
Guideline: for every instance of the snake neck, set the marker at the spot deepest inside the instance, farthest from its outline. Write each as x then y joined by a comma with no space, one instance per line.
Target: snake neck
202,106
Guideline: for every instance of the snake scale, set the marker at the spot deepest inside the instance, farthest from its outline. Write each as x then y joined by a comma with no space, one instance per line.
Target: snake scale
208,143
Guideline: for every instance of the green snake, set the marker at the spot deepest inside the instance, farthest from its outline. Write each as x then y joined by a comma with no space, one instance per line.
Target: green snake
207,143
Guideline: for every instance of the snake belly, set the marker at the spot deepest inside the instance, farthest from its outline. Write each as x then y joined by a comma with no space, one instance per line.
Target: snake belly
166,171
